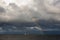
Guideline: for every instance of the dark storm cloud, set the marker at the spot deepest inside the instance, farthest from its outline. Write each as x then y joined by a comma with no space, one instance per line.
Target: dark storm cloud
2,10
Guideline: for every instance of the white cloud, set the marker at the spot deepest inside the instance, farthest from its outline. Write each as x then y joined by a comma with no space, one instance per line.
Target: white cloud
38,9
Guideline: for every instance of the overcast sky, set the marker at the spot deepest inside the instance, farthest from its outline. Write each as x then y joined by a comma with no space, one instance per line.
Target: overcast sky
26,10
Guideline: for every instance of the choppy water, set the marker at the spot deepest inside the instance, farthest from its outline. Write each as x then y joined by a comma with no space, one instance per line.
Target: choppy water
30,28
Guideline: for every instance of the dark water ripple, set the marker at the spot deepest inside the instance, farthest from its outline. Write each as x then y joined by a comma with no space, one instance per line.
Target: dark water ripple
29,28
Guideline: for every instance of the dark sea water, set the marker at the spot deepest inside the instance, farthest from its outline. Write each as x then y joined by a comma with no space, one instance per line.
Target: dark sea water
43,27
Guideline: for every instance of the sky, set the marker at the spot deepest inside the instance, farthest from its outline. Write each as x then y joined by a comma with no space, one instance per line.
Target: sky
29,10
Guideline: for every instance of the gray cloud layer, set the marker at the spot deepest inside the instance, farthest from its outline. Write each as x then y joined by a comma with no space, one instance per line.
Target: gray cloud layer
39,10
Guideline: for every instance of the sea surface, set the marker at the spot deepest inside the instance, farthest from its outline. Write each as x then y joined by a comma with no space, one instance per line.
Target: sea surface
40,27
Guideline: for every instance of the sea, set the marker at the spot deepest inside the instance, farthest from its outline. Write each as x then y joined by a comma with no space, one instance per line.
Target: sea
41,27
